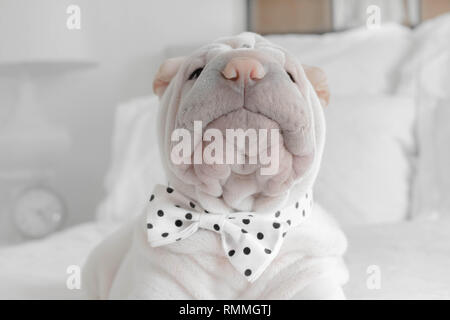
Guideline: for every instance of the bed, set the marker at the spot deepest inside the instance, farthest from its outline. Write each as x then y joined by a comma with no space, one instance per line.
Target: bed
413,258
372,179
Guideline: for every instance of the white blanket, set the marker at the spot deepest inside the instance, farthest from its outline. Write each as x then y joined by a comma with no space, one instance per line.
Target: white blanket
196,267
38,269
413,258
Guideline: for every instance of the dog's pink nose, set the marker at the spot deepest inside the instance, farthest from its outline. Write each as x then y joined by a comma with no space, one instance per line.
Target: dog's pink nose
244,68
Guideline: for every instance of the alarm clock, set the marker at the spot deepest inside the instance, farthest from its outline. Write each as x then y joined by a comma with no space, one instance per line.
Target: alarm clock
38,211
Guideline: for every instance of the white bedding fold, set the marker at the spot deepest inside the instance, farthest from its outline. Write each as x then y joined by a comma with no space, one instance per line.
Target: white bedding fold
196,267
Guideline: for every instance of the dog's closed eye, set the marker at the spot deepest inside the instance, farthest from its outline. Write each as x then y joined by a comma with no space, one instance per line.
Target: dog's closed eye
195,74
291,76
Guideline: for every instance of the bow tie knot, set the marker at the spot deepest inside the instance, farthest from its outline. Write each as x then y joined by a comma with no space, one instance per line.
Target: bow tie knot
211,221
250,240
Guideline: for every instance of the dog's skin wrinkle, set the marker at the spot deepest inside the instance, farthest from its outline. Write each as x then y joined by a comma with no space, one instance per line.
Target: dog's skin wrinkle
241,90
274,98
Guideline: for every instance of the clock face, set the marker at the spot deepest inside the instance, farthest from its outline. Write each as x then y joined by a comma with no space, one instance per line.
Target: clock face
38,212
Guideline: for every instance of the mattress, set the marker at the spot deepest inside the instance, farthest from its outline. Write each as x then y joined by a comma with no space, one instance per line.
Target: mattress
412,260
38,269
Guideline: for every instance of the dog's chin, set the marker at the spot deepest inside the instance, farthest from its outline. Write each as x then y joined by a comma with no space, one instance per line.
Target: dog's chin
239,184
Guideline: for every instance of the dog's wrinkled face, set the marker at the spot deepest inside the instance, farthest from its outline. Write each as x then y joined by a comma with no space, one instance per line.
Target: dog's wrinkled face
243,82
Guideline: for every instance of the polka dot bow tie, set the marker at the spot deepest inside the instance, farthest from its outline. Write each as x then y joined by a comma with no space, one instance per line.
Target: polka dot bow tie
250,240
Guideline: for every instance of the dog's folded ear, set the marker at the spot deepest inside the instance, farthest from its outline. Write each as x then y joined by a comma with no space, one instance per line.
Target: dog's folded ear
165,73
319,82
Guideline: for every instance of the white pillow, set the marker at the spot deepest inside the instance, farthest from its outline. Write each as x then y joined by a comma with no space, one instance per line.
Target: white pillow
367,166
442,144
429,46
136,165
355,61
426,75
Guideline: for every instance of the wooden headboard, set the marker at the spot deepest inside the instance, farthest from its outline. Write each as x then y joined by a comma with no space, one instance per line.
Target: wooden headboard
433,8
290,16
316,16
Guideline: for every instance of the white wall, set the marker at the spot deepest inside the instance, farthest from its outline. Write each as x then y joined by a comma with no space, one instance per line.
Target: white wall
128,39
